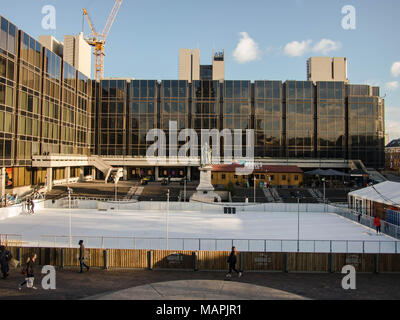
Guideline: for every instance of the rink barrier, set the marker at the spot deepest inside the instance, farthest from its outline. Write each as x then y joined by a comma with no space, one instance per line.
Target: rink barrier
212,260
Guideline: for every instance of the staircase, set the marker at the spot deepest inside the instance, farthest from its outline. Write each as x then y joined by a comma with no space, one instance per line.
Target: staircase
104,167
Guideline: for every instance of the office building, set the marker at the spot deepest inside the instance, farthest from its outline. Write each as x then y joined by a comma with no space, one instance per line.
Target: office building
57,125
327,69
191,70
78,53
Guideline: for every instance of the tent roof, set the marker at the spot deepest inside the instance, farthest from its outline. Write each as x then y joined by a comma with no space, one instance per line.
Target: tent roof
322,172
387,192
315,172
332,172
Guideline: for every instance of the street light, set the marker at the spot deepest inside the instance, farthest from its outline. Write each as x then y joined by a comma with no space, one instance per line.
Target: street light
184,190
298,221
70,216
167,218
254,188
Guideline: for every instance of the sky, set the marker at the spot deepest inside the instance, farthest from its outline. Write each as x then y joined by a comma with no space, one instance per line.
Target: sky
262,39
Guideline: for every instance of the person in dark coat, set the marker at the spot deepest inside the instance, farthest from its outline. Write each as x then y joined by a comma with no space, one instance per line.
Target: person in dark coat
232,260
28,272
5,257
82,256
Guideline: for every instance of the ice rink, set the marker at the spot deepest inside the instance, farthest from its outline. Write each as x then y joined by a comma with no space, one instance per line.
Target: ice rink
147,229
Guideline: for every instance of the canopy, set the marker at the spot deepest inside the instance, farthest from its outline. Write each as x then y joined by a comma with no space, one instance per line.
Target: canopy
387,192
316,172
325,173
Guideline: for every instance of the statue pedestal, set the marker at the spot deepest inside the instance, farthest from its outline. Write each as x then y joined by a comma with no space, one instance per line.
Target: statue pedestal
205,190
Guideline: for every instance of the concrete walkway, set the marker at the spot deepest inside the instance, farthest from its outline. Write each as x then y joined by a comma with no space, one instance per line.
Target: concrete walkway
198,290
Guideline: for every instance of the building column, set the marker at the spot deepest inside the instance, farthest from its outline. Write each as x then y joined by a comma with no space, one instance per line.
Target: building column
156,173
125,176
189,173
2,184
49,179
93,173
67,173
81,173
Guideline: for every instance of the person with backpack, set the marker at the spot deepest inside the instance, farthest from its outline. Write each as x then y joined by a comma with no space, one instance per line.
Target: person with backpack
377,223
27,271
232,260
5,257
82,256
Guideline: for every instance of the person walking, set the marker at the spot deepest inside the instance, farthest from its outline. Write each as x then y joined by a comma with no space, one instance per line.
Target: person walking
377,223
32,207
5,257
28,272
82,256
232,260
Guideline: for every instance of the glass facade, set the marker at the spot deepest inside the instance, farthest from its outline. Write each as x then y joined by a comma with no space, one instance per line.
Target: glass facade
46,106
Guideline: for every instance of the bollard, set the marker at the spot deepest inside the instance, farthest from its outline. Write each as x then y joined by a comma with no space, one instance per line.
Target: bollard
62,259
331,263
286,262
195,261
150,260
105,256
377,263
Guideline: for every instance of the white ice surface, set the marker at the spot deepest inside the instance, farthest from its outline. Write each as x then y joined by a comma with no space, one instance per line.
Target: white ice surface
91,225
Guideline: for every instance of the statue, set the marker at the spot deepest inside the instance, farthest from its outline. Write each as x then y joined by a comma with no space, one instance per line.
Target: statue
206,155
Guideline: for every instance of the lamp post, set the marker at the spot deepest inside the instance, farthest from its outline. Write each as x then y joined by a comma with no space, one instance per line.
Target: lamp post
184,190
167,219
254,188
298,221
70,216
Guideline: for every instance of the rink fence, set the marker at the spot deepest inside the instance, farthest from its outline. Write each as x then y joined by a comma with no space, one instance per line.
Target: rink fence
211,260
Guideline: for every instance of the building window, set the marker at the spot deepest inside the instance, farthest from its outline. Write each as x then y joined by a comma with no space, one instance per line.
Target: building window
296,178
263,177
284,177
223,176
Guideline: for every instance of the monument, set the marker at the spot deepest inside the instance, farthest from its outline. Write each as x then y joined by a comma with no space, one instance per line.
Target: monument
205,190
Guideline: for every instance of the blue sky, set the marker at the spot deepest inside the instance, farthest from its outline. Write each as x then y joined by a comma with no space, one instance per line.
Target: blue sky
263,39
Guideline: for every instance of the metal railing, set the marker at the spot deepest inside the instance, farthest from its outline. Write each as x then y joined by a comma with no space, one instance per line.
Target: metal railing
212,244
366,220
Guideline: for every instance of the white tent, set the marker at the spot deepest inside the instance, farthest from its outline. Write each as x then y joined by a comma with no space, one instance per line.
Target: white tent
387,192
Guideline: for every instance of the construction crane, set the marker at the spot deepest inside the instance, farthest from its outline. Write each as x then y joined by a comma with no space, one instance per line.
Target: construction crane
98,40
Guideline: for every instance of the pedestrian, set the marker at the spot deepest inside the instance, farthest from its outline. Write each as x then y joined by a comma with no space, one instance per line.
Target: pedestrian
82,256
32,207
5,257
359,217
232,259
28,205
27,271
377,223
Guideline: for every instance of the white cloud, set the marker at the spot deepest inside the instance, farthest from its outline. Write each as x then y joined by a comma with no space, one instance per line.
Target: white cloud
247,49
298,49
395,70
393,85
326,45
